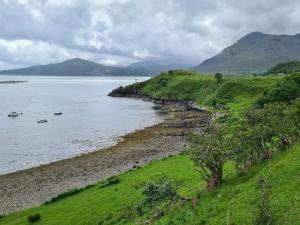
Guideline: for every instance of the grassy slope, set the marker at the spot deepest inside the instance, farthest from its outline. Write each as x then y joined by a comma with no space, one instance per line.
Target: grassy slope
236,92
286,68
238,194
94,205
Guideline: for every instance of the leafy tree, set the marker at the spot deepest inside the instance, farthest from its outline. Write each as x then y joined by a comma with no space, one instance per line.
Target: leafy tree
218,77
209,151
263,131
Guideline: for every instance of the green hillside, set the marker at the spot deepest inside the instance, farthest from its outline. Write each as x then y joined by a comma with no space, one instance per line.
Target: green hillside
235,93
237,196
285,68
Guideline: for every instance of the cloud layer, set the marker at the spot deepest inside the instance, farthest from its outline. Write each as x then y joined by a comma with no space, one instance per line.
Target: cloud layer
118,32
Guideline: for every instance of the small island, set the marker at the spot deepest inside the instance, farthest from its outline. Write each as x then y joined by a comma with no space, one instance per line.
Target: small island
13,81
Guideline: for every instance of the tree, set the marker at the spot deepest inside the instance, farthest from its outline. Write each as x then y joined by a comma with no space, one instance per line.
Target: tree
218,77
209,151
263,131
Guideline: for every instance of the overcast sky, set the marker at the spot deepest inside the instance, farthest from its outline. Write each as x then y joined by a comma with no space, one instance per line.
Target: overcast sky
118,32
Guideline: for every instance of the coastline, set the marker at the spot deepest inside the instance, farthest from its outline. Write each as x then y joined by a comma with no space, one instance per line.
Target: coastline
32,187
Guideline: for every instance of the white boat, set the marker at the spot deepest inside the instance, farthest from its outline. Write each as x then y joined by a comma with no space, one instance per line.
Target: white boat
42,121
13,114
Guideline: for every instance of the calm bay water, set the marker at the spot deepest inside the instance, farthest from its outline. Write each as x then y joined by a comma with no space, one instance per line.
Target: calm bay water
90,120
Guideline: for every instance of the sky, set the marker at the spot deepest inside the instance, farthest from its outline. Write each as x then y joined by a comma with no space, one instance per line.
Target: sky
119,32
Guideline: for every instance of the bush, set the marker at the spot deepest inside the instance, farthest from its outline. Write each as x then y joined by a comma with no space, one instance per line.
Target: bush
68,193
110,181
286,90
34,218
159,188
218,77
266,130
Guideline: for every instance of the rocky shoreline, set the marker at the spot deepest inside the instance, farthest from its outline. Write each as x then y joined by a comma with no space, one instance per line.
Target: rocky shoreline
32,187
184,105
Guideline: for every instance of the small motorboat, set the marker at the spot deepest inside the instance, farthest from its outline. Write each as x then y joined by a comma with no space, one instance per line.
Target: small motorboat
58,114
13,114
42,121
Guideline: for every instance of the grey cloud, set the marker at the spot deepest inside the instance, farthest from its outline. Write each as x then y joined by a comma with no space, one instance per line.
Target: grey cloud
123,31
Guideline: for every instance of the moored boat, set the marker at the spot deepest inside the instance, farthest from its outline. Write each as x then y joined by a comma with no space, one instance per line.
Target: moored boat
42,121
13,114
58,114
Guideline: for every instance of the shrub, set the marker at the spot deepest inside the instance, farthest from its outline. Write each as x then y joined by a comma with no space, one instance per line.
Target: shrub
218,77
110,181
159,188
68,193
263,131
34,218
286,91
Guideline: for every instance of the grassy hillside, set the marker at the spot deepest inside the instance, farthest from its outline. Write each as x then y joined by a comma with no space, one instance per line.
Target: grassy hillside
238,195
285,68
234,92
96,204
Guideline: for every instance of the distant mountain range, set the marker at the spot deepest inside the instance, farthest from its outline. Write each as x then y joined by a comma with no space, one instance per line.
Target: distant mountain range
81,67
255,53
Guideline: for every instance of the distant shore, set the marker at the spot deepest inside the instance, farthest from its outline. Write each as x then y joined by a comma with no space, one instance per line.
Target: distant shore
12,81
31,187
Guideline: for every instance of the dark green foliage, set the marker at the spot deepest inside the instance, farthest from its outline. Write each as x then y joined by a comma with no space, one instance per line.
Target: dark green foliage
285,68
68,193
129,90
158,189
34,218
218,77
109,182
263,131
64,195
263,214
286,90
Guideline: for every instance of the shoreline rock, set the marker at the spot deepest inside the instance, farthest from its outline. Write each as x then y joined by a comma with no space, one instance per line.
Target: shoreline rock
187,105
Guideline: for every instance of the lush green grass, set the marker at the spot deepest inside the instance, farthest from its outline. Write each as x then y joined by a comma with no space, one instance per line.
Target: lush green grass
238,195
203,88
96,203
235,92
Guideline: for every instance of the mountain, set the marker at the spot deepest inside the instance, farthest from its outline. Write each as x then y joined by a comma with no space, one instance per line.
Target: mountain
81,67
152,67
255,53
